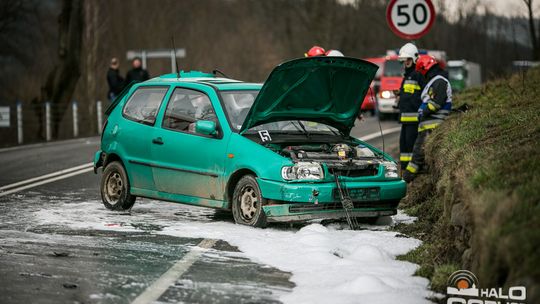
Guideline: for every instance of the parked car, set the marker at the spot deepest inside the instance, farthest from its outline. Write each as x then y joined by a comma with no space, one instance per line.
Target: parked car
370,100
276,152
464,74
369,103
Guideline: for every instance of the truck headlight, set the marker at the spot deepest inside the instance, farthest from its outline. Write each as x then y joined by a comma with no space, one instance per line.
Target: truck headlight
390,170
303,171
387,94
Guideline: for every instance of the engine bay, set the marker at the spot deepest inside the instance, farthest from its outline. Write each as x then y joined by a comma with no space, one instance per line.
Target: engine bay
342,158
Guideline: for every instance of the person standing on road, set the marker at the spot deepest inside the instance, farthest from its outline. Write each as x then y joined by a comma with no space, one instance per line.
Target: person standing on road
137,73
115,81
436,105
409,102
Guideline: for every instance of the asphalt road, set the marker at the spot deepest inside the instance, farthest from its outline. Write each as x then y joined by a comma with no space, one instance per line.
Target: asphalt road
42,260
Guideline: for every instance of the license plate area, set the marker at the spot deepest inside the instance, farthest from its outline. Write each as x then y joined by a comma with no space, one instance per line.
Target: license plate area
360,194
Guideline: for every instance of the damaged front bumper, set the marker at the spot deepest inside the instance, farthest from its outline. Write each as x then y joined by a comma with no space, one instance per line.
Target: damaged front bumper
305,201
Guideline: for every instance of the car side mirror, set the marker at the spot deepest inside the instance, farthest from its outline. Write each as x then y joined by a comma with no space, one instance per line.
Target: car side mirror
206,127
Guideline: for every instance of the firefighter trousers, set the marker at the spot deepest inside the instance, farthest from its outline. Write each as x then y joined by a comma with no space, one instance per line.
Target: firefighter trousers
409,132
418,159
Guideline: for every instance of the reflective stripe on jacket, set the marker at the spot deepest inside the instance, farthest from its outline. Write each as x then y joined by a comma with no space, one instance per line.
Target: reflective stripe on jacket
435,110
409,117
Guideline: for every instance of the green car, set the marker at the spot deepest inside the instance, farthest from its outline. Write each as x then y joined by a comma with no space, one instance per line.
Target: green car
276,152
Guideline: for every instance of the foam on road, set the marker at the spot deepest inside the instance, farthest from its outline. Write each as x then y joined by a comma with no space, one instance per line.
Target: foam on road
328,264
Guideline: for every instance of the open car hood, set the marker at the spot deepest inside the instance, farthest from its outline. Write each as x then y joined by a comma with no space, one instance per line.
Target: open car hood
328,90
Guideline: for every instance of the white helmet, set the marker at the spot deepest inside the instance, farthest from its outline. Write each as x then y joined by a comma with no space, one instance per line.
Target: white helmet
409,50
334,53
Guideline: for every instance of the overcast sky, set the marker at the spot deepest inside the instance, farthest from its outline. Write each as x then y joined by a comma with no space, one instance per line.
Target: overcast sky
500,7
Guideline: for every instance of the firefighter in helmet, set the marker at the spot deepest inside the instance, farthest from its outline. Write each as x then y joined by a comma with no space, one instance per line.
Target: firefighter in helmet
315,51
409,103
435,108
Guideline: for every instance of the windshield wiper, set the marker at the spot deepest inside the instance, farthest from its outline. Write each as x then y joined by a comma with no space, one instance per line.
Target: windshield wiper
308,135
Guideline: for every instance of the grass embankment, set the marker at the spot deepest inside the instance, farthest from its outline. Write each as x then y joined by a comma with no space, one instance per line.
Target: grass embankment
478,208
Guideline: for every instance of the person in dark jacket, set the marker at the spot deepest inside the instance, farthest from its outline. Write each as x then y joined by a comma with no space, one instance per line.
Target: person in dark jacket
435,108
115,81
137,73
409,103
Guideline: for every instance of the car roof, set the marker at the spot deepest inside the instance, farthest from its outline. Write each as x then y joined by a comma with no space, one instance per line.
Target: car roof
220,83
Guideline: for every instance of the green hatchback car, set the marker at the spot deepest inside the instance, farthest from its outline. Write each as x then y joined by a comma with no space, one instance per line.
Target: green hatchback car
276,152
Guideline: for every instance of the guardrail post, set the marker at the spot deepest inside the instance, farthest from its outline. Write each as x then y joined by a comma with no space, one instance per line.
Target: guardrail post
48,121
19,123
99,116
75,109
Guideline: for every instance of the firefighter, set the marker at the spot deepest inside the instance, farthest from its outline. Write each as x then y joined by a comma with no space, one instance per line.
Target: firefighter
436,105
409,102
315,51
334,53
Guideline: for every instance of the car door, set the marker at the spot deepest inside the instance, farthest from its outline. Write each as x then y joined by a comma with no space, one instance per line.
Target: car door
188,163
134,134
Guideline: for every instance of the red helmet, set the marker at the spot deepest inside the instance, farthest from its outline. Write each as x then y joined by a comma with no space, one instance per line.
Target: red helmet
315,51
424,63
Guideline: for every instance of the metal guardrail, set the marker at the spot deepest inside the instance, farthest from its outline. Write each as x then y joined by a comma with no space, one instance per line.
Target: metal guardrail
44,115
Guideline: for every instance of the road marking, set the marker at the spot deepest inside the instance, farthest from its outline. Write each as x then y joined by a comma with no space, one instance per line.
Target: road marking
378,134
27,181
154,291
46,181
91,140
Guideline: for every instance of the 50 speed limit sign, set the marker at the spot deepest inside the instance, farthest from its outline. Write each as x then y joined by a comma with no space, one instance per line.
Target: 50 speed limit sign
410,19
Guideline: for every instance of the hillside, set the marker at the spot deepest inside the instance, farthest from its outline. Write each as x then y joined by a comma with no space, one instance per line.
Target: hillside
478,208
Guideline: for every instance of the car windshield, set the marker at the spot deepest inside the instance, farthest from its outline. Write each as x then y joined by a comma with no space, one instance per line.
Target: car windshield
379,71
238,103
393,68
455,73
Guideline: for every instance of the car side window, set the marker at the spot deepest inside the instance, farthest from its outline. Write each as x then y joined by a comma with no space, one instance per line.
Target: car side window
144,104
185,107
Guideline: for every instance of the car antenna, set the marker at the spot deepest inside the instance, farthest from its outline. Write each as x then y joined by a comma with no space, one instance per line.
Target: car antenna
216,71
175,58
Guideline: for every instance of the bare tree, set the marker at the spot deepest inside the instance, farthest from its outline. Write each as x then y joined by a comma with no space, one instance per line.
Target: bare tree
62,80
535,40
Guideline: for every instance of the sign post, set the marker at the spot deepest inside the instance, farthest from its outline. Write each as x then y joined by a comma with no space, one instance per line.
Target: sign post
410,19
158,53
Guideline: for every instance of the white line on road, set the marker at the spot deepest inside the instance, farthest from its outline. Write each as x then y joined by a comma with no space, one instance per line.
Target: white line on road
378,134
50,180
62,174
154,291
27,181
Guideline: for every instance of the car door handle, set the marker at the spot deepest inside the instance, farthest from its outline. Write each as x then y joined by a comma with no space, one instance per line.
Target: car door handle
157,141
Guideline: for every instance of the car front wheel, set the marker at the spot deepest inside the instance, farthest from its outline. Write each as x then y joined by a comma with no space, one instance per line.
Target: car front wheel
247,203
115,188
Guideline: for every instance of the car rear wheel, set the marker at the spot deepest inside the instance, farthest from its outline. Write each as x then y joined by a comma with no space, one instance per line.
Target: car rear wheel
247,203
115,188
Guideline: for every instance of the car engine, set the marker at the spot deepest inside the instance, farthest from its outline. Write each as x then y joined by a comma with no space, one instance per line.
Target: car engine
342,159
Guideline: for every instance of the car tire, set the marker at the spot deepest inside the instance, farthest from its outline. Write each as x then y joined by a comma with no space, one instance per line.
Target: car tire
247,203
115,188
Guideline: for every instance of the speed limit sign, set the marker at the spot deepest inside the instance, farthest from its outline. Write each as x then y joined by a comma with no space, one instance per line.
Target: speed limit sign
410,19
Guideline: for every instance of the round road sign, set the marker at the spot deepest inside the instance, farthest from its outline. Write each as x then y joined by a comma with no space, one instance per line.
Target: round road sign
410,19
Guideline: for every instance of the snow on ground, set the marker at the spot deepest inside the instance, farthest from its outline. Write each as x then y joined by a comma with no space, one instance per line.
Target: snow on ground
329,264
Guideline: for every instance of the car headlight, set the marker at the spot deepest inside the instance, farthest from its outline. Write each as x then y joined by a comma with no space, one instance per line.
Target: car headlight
303,171
387,94
390,170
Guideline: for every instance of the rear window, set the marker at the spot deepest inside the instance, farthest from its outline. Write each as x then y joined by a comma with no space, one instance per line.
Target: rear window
393,68
144,104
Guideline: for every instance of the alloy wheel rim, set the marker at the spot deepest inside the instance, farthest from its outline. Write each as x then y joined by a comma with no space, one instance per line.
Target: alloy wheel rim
114,188
249,202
